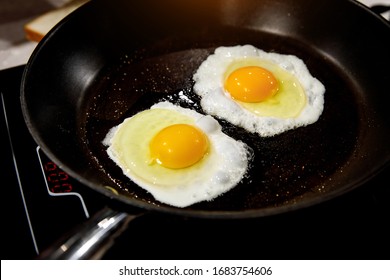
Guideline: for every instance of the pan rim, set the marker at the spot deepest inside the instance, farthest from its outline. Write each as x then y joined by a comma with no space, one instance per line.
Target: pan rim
186,212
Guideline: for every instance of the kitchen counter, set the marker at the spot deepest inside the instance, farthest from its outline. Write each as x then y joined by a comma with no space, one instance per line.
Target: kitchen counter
15,49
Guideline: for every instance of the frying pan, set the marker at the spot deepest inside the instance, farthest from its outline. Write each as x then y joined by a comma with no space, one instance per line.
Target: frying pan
111,59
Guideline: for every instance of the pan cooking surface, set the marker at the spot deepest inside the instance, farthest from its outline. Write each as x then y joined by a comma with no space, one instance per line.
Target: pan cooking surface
286,169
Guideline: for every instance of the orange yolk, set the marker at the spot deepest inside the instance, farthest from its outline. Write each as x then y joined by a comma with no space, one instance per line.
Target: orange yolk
178,146
251,84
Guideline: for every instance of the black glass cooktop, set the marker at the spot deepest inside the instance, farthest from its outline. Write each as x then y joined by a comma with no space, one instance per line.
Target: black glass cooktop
40,203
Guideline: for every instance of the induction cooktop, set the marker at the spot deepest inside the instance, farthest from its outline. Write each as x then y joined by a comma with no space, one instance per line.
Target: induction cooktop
41,203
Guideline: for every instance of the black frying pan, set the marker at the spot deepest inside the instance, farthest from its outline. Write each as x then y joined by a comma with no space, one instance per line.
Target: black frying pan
112,59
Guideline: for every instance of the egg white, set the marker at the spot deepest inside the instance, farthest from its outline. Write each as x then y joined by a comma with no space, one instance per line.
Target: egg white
209,85
219,171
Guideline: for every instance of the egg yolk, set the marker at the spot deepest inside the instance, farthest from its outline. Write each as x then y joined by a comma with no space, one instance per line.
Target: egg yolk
251,84
178,146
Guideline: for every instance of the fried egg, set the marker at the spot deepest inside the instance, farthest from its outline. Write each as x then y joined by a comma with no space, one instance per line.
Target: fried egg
178,155
265,93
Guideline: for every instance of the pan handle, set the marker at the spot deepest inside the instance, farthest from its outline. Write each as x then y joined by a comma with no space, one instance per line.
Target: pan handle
92,239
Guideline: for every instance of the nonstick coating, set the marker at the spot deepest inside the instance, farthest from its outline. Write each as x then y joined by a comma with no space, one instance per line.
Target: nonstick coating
108,61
